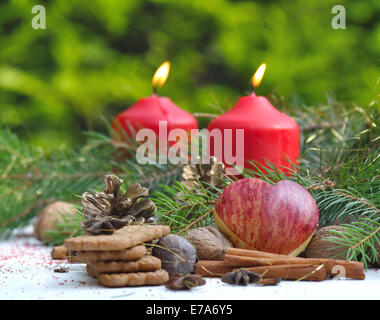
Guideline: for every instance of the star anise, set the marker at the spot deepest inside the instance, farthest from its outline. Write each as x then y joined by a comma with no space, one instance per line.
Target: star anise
109,210
186,282
240,277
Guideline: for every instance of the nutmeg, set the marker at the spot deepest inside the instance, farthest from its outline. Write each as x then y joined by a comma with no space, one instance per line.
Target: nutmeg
209,243
47,219
177,254
321,247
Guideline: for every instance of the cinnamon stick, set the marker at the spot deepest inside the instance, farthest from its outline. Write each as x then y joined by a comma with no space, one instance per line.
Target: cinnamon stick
269,281
252,253
292,272
211,268
241,261
208,268
251,258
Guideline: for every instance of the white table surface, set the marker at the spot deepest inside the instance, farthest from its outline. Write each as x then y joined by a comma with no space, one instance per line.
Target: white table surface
27,273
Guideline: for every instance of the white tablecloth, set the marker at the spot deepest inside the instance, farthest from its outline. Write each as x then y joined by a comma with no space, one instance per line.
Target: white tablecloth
27,273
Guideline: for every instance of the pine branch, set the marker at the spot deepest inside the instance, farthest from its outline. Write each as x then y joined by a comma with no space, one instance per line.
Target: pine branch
31,177
190,210
195,222
339,165
26,212
360,239
341,179
334,204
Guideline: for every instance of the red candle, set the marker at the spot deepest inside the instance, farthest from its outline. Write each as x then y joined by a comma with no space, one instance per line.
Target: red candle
269,135
149,111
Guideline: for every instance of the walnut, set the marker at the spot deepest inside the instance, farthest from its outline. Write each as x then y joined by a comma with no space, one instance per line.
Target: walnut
46,220
320,247
209,243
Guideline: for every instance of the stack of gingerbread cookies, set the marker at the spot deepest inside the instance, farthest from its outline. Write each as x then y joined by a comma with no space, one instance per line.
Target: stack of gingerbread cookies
121,259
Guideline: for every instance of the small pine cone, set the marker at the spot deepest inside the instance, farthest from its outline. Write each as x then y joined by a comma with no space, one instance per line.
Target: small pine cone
193,176
210,173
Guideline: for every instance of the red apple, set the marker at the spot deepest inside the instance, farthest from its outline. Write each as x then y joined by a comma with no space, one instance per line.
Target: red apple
256,215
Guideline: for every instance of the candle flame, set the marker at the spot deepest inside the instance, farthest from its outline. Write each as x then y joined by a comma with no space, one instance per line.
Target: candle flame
258,76
161,75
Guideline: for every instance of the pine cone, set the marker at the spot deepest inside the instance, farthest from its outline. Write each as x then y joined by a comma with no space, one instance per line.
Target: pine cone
109,210
210,173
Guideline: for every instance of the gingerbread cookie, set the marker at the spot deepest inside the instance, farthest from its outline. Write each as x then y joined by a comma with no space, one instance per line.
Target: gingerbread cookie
158,277
90,272
58,253
133,253
146,263
125,238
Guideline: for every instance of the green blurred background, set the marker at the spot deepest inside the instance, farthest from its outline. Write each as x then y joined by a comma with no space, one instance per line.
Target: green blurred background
97,57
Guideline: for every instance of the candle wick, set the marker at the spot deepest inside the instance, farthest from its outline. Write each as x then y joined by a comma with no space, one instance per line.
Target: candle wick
154,90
